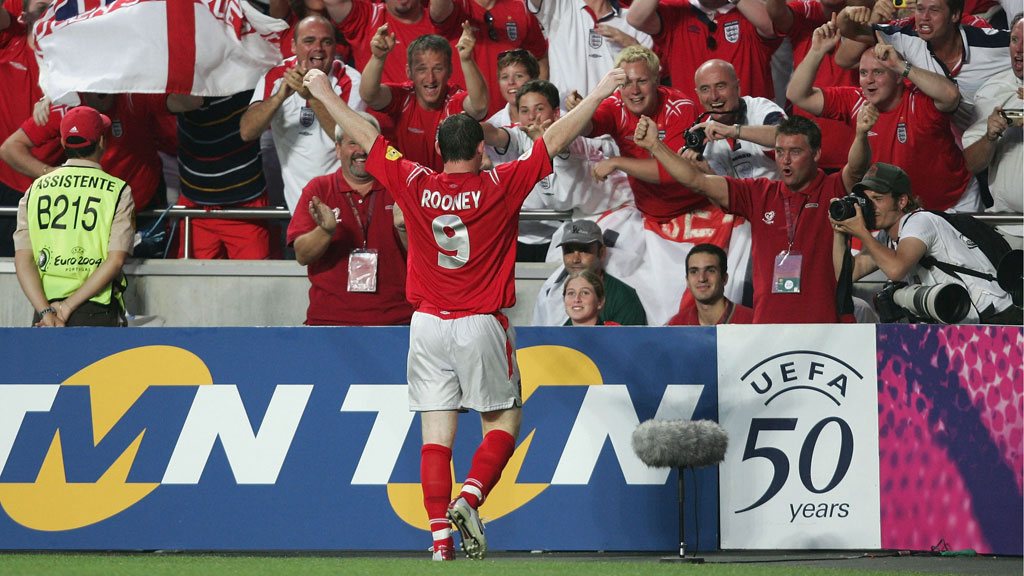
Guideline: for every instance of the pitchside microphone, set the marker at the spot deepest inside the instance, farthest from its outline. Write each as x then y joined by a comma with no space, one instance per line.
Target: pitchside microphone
681,444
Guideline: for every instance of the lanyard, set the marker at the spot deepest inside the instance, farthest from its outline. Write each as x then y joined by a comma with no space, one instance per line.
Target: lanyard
791,222
355,212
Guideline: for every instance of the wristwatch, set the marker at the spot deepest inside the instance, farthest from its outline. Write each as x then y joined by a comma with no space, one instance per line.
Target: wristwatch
46,311
906,70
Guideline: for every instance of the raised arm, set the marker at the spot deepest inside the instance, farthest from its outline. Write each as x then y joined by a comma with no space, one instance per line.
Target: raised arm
643,15
763,135
757,14
715,188
979,154
801,90
376,95
859,158
645,169
854,24
256,119
338,10
936,86
780,14
495,137
568,127
354,125
440,10
476,101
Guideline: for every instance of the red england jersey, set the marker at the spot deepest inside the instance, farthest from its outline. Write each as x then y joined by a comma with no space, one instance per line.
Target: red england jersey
330,302
513,26
675,114
688,39
836,136
416,127
733,314
132,141
763,202
361,24
914,136
19,76
462,228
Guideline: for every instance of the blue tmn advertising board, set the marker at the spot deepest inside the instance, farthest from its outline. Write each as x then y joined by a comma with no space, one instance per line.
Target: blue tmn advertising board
300,438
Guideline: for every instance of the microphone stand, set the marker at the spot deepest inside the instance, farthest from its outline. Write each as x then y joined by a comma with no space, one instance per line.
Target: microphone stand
682,525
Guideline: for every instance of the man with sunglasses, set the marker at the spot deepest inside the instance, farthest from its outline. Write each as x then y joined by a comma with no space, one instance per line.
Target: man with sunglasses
499,26
687,34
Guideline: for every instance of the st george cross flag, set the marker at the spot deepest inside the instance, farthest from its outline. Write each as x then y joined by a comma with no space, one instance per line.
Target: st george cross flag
199,47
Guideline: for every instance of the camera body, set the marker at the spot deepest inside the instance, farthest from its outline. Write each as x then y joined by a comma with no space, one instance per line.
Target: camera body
1013,117
695,138
843,208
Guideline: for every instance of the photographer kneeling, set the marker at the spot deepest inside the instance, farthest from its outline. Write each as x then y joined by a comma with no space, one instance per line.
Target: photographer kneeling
908,235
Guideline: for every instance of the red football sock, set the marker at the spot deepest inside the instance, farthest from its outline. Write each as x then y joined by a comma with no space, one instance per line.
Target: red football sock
436,480
488,462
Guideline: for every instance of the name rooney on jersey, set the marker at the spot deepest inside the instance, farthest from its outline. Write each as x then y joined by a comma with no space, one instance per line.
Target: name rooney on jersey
459,201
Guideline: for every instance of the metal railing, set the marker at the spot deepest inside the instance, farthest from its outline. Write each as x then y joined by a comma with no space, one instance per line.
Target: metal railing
269,213
280,213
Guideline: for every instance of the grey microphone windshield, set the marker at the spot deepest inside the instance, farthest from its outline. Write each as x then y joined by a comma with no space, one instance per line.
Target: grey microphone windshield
680,443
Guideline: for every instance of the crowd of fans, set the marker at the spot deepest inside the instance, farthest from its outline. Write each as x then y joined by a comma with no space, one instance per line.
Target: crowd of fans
708,143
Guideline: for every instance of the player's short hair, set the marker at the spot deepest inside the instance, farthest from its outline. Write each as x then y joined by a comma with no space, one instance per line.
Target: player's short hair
82,151
339,133
314,17
523,58
706,248
798,125
430,43
458,137
638,53
956,7
542,87
593,279
707,65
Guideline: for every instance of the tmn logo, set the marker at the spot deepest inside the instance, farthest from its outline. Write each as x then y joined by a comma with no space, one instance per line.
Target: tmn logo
113,432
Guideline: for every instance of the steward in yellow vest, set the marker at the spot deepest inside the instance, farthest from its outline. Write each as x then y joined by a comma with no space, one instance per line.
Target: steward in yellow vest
75,229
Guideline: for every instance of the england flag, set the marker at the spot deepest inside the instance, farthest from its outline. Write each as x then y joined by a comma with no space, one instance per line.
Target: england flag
200,47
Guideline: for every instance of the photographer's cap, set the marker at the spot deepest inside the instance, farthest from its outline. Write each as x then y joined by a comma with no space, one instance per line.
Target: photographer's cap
581,232
82,126
884,179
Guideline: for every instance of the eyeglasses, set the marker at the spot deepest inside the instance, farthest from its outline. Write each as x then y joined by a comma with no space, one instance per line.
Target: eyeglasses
520,52
711,42
491,32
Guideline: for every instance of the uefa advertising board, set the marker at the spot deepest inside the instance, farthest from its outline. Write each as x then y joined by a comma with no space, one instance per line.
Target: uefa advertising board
300,438
802,471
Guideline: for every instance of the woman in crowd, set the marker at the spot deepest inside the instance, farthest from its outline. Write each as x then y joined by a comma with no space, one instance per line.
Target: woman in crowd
584,299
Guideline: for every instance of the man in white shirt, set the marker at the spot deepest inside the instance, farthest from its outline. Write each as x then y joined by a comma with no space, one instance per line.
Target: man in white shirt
994,142
909,235
303,131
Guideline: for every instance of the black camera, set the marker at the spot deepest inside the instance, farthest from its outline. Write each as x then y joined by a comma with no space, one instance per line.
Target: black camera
946,303
842,209
695,139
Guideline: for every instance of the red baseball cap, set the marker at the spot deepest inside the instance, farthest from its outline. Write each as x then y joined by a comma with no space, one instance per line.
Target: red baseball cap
82,126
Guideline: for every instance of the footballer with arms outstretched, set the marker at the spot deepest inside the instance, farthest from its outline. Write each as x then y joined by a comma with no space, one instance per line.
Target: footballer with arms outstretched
462,228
